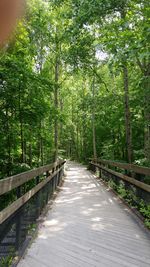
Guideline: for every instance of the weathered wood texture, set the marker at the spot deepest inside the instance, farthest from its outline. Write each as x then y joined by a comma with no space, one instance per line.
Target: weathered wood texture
88,227
12,182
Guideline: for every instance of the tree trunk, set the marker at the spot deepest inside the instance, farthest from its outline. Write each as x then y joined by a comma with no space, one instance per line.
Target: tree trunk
8,171
93,121
145,70
42,151
21,127
78,152
147,116
25,150
30,155
77,140
61,123
129,152
127,115
30,148
56,108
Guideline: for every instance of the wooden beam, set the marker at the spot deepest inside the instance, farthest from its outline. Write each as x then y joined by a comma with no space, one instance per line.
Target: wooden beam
126,178
126,166
13,182
11,209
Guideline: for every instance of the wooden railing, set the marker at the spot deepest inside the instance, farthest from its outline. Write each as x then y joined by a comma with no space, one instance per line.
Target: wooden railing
130,175
125,166
30,192
17,181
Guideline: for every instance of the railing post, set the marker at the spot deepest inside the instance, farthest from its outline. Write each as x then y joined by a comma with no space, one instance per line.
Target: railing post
18,223
47,188
38,197
59,173
100,173
52,186
63,170
56,179
89,167
94,168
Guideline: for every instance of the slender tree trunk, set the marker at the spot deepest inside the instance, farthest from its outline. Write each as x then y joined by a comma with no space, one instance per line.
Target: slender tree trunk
127,115
8,145
42,151
25,150
145,70
61,123
56,108
30,155
129,152
84,156
22,141
84,123
56,91
93,121
94,136
77,145
40,146
146,84
30,148
21,128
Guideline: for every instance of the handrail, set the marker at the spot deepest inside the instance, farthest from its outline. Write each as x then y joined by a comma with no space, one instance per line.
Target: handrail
126,178
18,180
15,181
125,166
12,208
25,204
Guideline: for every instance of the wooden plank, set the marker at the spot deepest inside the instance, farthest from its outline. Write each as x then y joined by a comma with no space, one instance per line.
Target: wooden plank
13,182
133,181
126,166
11,209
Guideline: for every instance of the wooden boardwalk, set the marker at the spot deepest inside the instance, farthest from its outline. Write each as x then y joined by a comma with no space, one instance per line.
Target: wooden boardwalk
87,227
